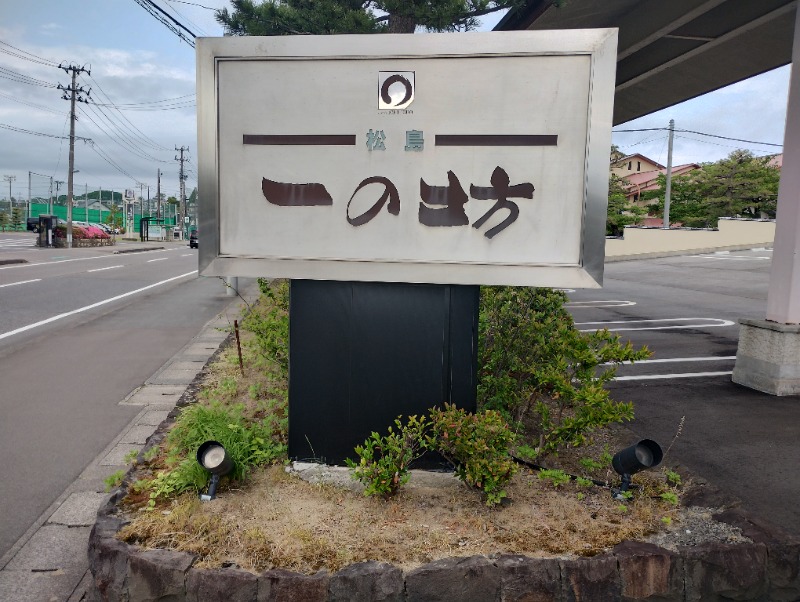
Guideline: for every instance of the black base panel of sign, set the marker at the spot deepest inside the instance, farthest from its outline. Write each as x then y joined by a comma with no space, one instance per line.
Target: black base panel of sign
363,353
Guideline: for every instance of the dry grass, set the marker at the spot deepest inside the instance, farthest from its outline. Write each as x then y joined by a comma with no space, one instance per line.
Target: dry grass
279,520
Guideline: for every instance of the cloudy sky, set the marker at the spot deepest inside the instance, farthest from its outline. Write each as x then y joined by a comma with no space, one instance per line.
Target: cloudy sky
142,103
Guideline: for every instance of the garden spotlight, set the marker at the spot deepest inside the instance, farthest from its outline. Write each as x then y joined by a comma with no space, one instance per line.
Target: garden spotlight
213,457
645,454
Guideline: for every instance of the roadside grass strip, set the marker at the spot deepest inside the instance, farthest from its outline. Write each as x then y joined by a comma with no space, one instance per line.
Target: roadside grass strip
686,323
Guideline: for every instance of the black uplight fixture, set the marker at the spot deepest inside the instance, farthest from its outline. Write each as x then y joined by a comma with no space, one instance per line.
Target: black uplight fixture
645,454
212,456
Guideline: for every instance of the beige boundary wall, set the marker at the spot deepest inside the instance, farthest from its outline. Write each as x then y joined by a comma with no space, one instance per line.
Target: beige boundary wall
732,234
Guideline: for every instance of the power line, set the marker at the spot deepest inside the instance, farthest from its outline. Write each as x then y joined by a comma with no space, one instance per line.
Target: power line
152,143
187,19
28,56
24,79
5,126
168,20
32,104
701,134
194,4
727,138
122,140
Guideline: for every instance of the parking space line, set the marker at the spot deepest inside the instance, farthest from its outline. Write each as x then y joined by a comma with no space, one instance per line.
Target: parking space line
111,267
712,323
608,303
670,360
732,257
668,376
21,282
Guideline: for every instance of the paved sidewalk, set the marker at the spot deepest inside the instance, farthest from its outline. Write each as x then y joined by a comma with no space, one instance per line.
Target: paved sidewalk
49,562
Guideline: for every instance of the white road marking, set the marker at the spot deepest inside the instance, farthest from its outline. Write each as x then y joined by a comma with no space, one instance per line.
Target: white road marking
674,360
17,242
159,259
667,376
92,306
21,282
111,267
719,323
733,257
609,303
187,255
111,256
566,290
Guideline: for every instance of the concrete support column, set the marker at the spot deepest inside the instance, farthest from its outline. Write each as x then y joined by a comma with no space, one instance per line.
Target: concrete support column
768,357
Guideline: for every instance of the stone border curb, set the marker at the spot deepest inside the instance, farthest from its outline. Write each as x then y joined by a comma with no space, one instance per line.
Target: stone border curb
633,571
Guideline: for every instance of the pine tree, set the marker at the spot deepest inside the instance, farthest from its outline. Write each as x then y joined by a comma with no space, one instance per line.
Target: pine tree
285,17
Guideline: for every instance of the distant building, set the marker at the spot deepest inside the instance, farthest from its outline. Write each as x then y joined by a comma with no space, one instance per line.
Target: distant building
636,184
633,164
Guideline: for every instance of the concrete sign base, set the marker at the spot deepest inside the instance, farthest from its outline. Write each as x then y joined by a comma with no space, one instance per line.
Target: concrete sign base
768,357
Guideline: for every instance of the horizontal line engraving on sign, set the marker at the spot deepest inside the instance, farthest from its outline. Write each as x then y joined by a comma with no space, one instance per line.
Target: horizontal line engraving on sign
300,139
496,140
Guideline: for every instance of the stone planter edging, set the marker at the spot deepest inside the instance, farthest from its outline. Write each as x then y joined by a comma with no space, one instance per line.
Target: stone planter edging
767,569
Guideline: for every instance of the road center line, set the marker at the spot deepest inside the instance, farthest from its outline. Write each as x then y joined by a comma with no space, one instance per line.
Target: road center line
21,282
92,306
111,267
666,376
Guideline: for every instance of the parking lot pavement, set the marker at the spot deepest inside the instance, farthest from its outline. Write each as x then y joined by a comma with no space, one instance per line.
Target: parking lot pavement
686,310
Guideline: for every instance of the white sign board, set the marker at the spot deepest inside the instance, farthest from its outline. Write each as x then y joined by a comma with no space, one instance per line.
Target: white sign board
452,158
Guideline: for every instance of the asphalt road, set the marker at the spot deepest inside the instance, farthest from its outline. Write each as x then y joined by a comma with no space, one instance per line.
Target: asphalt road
686,310
79,330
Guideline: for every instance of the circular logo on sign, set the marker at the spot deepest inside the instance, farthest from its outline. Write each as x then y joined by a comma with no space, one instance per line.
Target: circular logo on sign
395,90
395,79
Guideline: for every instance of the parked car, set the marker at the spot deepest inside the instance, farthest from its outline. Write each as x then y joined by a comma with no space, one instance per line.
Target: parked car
193,240
33,224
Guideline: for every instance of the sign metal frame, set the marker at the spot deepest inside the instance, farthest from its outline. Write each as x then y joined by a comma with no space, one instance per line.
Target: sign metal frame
599,45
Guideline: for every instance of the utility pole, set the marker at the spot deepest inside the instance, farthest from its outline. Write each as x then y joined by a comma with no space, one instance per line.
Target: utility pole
10,179
50,198
668,188
74,96
28,212
182,175
58,184
158,196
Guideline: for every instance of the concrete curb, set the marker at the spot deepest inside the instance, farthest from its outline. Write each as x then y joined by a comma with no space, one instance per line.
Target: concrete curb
684,252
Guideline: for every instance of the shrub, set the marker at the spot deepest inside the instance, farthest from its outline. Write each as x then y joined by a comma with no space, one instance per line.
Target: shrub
80,232
271,327
477,444
385,461
537,368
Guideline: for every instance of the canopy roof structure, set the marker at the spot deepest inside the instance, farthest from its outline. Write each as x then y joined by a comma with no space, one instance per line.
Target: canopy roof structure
671,51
